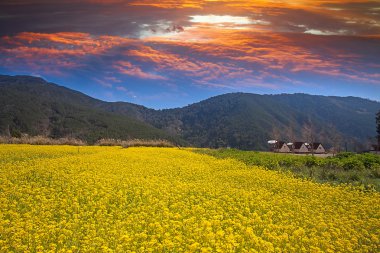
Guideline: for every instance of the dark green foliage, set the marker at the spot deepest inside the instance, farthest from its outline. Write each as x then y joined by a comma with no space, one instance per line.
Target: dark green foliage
357,169
353,164
375,171
311,161
343,155
15,133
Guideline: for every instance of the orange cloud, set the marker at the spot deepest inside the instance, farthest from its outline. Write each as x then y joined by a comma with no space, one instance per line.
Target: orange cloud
234,3
197,69
54,52
203,55
169,4
275,51
65,42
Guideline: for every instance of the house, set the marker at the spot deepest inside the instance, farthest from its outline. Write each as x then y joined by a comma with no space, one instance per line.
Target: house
281,147
317,148
300,147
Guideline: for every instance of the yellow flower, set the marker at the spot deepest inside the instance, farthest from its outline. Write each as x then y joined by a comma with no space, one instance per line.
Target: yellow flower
109,199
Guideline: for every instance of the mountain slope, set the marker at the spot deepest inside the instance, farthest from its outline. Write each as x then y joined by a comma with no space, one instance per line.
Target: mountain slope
239,120
34,106
247,121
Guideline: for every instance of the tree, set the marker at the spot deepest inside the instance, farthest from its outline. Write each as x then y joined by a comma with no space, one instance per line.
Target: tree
291,135
378,130
276,135
336,139
8,131
308,134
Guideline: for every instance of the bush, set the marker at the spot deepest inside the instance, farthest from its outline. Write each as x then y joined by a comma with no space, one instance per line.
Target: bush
109,142
41,140
285,163
272,164
375,171
354,177
332,164
134,143
332,176
343,155
311,161
147,143
15,133
369,160
353,164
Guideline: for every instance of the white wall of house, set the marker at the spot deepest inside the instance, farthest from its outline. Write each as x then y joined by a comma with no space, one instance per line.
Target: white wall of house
302,149
320,150
284,149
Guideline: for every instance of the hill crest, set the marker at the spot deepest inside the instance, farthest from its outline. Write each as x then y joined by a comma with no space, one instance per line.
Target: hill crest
241,120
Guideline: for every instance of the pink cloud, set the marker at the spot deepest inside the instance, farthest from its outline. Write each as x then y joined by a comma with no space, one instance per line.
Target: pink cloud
127,68
222,57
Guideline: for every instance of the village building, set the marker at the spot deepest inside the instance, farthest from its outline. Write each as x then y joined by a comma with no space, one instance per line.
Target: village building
318,148
281,147
296,147
300,147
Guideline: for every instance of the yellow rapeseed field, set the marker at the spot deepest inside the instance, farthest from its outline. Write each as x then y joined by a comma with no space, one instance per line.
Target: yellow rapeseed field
110,199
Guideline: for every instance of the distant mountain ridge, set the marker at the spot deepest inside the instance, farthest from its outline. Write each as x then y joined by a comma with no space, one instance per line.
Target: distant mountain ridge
247,121
33,106
240,120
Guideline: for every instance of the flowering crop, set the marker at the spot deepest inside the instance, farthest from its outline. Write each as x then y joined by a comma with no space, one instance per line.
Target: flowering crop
110,199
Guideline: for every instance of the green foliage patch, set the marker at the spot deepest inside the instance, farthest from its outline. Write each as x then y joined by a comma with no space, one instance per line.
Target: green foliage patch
351,168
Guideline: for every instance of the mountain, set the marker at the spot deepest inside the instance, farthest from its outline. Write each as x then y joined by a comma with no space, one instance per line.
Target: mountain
32,105
247,121
241,120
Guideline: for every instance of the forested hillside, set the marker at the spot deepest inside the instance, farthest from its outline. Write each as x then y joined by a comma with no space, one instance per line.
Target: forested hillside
240,120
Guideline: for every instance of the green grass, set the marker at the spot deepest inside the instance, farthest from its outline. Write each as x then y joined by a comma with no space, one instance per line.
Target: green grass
345,168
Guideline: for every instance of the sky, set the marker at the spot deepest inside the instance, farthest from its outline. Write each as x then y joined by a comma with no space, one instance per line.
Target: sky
167,53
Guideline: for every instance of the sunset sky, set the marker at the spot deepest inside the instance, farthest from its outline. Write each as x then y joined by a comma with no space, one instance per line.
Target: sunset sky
167,53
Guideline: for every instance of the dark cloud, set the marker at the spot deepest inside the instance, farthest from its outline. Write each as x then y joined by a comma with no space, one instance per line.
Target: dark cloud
82,17
123,19
354,6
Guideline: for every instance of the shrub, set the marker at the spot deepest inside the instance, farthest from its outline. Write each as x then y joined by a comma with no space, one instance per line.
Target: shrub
354,177
343,155
332,176
375,171
286,163
134,143
41,140
147,143
332,164
109,142
311,161
15,133
353,164
369,160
